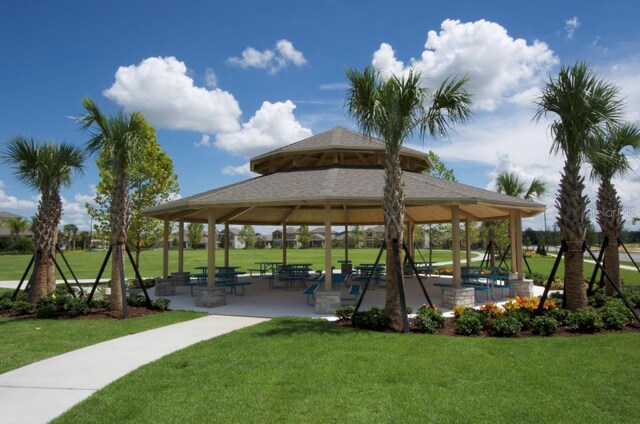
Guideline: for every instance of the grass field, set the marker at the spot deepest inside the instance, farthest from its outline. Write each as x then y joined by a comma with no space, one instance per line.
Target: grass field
29,340
87,264
302,370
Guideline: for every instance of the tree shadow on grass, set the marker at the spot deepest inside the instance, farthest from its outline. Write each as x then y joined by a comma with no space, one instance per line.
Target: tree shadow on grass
291,325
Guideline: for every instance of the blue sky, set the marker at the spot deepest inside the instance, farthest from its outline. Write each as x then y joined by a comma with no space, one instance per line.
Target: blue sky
223,82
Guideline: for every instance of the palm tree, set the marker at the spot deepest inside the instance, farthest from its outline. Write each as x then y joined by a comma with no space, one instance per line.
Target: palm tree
17,226
394,109
70,231
582,105
608,158
509,184
116,137
46,167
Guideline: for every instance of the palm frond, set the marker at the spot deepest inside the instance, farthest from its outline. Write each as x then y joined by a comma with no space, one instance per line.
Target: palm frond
451,104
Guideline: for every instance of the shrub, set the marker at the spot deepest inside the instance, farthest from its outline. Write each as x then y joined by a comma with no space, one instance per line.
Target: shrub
585,321
372,319
46,307
344,313
409,310
136,300
524,316
6,304
491,309
598,299
544,325
22,307
560,315
633,296
434,314
425,324
75,306
506,326
160,304
469,323
458,309
615,315
100,302
538,279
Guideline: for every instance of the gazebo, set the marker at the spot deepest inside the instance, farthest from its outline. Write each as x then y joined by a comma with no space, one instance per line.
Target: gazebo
336,178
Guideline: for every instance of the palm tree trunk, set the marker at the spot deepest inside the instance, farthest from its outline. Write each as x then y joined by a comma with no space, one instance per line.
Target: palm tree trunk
393,207
119,222
610,220
572,221
54,213
45,229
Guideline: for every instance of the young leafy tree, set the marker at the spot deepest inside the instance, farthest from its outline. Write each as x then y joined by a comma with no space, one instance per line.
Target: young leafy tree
304,236
608,159
356,235
119,140
151,181
394,109
194,233
247,235
582,105
46,167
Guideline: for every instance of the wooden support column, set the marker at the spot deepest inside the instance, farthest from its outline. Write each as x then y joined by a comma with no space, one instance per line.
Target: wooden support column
284,243
327,248
512,241
226,243
520,253
455,246
467,230
346,242
410,240
181,246
165,249
211,251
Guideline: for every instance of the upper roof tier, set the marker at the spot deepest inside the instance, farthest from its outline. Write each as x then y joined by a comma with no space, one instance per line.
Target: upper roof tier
338,146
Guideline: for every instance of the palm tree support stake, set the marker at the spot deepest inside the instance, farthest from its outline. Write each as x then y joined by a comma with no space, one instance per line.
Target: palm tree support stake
628,254
415,271
366,284
403,303
138,277
26,272
552,276
73,274
64,278
605,242
615,286
95,285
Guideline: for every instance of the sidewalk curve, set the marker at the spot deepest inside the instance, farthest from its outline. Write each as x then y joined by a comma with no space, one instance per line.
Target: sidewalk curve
40,392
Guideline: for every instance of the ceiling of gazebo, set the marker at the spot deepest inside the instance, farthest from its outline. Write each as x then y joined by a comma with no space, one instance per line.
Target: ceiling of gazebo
299,197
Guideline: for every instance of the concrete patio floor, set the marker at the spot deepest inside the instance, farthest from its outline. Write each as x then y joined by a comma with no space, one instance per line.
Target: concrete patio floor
261,301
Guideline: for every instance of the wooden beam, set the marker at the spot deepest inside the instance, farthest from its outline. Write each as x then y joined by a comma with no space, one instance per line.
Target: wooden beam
235,214
181,246
211,250
226,243
346,233
467,230
327,248
165,249
512,238
455,240
520,253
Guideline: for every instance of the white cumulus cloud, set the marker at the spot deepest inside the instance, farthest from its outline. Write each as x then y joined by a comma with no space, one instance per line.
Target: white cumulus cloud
272,126
162,90
12,202
284,54
501,69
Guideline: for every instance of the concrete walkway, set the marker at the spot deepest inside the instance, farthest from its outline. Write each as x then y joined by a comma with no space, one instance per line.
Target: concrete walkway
42,391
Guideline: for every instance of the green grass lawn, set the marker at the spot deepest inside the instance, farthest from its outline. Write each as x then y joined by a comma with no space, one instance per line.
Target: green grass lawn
87,264
29,340
543,265
304,370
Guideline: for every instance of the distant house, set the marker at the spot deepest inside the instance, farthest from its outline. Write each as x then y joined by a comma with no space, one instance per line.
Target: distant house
374,236
234,239
292,238
264,241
